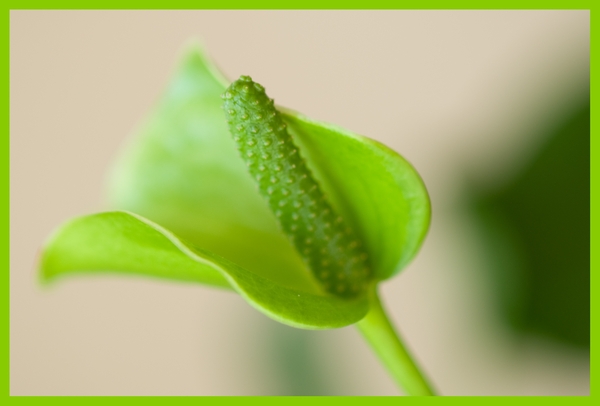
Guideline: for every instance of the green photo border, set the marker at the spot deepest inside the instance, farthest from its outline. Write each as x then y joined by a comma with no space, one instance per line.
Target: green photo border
269,4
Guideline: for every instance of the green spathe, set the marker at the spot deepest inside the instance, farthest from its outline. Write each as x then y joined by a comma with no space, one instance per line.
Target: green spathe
182,171
190,211
127,243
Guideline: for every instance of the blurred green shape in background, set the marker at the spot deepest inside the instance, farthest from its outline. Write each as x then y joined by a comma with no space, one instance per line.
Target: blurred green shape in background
536,232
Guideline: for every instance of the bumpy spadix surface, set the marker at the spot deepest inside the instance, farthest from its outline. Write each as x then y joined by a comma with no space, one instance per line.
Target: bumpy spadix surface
328,246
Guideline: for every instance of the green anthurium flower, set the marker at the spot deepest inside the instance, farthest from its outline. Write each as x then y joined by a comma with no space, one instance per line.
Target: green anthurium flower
189,210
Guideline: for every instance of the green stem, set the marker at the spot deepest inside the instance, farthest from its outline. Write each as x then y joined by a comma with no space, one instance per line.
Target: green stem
386,342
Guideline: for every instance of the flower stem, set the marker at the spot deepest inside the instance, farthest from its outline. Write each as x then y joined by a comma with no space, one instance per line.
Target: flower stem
385,341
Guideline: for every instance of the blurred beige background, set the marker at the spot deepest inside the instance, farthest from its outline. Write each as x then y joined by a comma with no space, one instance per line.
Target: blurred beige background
453,91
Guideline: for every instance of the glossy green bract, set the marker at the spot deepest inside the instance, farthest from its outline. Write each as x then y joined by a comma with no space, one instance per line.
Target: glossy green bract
200,218
126,243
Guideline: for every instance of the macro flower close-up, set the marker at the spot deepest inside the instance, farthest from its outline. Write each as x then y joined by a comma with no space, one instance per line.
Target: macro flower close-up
166,177
302,202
